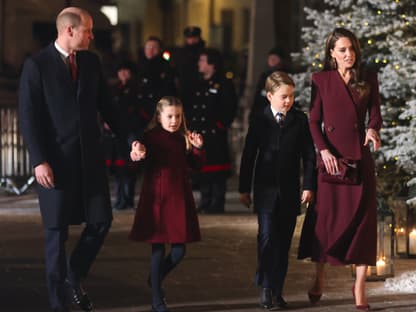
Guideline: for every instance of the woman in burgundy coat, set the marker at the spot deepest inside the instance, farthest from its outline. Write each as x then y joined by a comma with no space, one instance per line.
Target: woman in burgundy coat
346,222
166,212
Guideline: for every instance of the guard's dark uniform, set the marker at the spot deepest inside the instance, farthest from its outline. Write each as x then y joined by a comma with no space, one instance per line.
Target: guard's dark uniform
185,61
155,80
210,111
125,170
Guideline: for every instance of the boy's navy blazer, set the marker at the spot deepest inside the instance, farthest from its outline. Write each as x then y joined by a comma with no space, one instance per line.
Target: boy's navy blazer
271,160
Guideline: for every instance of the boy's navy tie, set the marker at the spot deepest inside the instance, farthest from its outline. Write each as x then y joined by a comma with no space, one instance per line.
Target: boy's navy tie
280,117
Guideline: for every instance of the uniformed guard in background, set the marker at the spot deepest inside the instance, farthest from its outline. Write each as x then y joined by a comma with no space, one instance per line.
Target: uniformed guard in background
125,170
277,60
210,110
185,61
155,78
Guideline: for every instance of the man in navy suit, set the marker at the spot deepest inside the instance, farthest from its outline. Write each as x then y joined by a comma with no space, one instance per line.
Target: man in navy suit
276,142
61,92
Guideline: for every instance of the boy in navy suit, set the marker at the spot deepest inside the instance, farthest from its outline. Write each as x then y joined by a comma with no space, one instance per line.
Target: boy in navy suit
276,143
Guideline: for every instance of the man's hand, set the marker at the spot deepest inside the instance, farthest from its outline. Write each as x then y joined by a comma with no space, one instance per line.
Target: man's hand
44,175
138,151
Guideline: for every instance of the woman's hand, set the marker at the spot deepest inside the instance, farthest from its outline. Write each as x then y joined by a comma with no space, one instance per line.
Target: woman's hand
196,139
138,151
372,136
330,162
245,199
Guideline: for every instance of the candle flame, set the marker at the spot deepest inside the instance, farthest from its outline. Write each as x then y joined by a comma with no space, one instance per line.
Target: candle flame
381,262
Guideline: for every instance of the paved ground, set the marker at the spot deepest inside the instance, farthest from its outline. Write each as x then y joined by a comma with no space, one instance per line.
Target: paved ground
216,275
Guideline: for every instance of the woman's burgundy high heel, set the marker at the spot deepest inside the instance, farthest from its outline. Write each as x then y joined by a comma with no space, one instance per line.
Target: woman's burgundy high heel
361,307
314,298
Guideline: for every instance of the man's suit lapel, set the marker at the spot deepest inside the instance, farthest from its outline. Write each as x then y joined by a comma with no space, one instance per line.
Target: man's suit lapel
62,70
82,71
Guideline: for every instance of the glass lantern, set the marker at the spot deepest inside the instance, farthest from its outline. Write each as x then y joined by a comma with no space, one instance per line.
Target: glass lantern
385,244
405,229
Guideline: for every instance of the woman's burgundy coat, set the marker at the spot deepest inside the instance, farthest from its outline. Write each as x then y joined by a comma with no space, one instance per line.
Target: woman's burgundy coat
346,218
166,211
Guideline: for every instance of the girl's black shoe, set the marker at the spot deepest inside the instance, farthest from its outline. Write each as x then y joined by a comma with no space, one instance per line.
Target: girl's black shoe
161,307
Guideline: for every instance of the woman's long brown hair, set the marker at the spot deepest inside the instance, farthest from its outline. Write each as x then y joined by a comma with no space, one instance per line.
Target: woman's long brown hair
357,76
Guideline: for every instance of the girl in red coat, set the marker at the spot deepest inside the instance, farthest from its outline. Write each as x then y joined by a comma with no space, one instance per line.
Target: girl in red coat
166,212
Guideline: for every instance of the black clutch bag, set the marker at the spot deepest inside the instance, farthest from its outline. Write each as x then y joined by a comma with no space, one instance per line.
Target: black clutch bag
349,172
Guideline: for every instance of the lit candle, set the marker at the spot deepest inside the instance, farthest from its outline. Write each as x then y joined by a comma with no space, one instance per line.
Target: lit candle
401,240
412,242
381,267
369,271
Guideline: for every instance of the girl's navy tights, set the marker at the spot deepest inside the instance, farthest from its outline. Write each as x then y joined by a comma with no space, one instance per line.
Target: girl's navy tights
161,266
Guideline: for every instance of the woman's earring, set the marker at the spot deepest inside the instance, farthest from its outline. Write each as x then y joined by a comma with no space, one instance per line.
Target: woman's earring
334,63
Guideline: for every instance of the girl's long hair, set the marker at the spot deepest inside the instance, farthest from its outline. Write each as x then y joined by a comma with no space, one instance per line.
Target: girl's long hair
357,74
165,102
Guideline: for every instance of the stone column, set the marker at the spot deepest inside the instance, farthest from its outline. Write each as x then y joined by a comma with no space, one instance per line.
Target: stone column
262,39
2,31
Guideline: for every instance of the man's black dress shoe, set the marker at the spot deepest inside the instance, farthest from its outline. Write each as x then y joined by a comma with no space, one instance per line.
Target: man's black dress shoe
280,302
80,297
266,298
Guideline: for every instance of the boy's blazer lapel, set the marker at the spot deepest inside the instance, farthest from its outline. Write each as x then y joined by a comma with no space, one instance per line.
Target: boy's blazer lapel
275,132
270,117
289,119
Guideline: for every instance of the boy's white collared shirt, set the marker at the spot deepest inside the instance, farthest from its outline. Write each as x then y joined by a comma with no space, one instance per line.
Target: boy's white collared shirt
277,113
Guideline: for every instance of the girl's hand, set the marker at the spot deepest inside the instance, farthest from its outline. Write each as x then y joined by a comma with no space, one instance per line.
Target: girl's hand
330,162
372,136
138,151
196,139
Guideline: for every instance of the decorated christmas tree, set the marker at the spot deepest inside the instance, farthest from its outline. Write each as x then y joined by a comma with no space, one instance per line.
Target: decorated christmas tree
387,33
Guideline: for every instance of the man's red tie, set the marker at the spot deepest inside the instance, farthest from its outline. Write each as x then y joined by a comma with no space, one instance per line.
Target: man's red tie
72,66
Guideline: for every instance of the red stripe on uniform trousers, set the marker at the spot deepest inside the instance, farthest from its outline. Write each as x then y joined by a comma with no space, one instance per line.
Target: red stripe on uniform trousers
214,168
220,125
119,162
